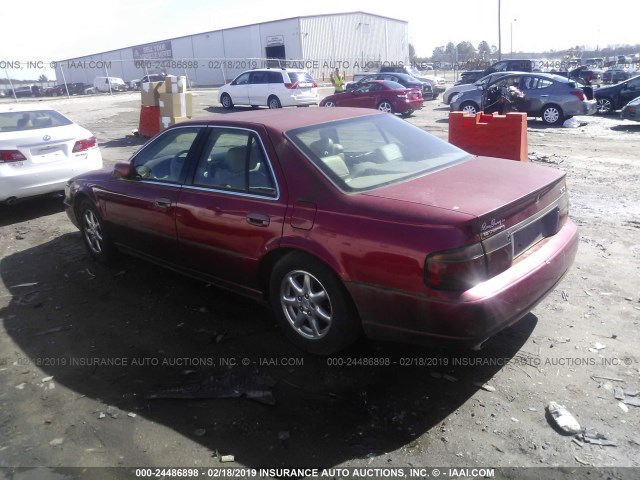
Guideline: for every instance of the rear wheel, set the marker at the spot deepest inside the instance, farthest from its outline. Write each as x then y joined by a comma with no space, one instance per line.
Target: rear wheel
552,115
312,305
274,102
226,101
407,114
329,103
95,237
605,105
385,106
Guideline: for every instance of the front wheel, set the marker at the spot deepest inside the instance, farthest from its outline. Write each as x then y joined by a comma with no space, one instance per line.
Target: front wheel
605,105
226,101
94,235
385,106
274,102
312,305
469,107
552,115
329,103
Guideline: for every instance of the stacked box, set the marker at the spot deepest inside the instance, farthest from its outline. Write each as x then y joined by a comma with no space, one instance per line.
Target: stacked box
175,102
175,84
151,91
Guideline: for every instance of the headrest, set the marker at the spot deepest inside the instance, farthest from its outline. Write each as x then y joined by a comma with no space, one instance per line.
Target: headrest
236,157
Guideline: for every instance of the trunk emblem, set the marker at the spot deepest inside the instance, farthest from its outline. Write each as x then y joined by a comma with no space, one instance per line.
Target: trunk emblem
46,137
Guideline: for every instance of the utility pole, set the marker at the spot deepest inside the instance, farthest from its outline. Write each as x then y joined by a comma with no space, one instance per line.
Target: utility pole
499,34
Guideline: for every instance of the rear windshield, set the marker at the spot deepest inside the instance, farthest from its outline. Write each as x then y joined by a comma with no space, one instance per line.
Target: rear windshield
32,120
367,152
300,77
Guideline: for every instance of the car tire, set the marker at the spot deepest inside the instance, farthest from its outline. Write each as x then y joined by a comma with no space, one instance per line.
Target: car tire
552,114
385,106
312,306
469,107
329,104
226,101
95,237
274,102
406,114
605,105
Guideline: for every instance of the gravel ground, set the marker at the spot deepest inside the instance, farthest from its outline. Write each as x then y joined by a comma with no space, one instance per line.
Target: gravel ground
63,316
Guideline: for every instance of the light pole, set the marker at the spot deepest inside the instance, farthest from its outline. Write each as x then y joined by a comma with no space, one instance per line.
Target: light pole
514,20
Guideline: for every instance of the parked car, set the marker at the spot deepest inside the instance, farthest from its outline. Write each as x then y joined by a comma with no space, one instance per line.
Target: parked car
403,79
27,91
450,92
40,149
549,96
618,74
109,84
387,96
271,87
55,91
614,97
631,111
437,83
137,84
340,218
516,65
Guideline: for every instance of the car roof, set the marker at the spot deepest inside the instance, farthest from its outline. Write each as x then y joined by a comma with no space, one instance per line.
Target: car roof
283,119
23,107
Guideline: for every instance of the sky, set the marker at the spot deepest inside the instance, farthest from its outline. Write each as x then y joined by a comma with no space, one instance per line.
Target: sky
72,30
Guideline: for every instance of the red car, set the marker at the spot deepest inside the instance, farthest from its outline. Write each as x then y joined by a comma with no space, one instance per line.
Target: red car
345,220
384,95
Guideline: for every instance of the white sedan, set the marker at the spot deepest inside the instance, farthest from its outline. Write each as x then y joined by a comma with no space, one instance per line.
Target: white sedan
40,149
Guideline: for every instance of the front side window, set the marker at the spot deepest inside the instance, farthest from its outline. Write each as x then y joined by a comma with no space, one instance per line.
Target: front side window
163,159
242,79
367,152
234,160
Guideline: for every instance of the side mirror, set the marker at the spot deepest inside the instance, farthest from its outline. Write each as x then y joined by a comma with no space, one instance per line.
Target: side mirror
122,170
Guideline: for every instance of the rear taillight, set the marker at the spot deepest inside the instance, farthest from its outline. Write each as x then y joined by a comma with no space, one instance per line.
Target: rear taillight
85,144
8,156
458,269
291,86
580,95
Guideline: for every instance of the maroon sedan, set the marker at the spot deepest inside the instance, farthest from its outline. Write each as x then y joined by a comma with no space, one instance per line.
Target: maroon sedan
385,95
344,220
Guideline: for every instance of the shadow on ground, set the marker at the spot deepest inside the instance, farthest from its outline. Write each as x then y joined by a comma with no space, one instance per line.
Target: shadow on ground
31,208
373,399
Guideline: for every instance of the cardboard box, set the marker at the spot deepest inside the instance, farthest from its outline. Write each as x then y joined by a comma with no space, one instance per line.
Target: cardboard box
175,84
176,104
166,122
151,91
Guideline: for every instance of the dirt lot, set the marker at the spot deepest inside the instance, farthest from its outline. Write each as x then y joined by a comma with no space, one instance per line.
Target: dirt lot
64,317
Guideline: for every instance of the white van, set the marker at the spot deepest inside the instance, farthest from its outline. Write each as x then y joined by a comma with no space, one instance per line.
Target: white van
101,84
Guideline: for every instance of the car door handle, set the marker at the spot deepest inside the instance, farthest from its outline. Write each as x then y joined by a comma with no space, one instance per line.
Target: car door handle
258,219
163,202
544,96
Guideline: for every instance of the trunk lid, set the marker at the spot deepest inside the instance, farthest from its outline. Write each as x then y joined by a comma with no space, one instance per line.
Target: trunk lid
500,193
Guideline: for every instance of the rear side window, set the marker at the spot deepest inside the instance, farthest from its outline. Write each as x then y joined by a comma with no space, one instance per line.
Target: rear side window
19,121
274,77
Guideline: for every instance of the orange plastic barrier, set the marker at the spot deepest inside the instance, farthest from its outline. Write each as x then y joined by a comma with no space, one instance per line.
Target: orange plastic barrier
149,121
501,136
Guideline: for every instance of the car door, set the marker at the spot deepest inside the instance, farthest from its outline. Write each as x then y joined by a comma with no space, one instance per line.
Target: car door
362,97
629,91
140,210
537,92
259,86
239,89
232,211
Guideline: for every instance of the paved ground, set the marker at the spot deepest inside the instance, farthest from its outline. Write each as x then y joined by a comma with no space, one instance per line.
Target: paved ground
83,346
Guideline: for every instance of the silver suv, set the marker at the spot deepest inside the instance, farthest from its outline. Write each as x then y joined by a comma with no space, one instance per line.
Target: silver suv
271,87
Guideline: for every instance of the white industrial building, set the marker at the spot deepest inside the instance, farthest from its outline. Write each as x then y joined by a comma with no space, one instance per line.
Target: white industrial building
319,43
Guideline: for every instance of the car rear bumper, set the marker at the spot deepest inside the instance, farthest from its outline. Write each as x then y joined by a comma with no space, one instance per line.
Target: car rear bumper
473,316
18,182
